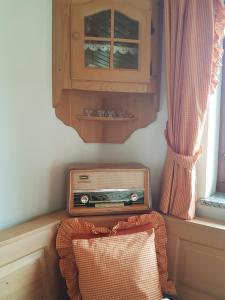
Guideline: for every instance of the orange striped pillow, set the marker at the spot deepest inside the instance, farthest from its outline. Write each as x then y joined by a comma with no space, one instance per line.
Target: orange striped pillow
74,228
156,221
118,267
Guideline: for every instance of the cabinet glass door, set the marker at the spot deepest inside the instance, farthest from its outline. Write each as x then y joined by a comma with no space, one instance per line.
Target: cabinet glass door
125,27
125,56
111,41
98,25
97,54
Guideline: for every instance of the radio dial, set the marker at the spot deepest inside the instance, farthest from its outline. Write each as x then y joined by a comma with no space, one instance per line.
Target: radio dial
84,199
134,197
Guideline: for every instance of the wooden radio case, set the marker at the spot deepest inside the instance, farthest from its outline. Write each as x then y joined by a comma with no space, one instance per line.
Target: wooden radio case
99,189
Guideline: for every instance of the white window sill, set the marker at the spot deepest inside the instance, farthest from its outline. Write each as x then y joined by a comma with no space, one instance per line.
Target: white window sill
212,207
216,200
197,222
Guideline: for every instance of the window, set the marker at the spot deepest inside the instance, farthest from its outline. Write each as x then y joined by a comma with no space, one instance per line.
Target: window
211,176
221,157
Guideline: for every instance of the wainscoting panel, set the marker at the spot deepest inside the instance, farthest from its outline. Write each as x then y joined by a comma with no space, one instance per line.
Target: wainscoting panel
24,278
29,263
196,252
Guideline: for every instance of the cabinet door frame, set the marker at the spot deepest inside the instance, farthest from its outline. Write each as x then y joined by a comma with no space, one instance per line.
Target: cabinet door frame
80,72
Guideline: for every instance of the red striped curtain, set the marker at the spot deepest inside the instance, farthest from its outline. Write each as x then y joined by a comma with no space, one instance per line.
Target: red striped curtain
193,30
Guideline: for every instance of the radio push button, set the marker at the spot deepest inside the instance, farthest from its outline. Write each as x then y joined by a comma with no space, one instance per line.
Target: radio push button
134,197
84,199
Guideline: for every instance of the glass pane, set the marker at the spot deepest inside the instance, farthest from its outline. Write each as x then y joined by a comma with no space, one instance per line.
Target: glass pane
98,25
125,56
125,27
97,54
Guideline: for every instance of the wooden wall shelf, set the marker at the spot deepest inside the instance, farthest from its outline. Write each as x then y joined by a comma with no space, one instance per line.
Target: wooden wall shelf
106,119
129,79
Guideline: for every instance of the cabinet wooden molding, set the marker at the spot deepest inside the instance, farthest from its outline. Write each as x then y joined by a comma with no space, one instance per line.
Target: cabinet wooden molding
106,61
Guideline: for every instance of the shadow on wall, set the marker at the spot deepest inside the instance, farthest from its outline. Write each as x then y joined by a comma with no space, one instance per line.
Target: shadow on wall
57,192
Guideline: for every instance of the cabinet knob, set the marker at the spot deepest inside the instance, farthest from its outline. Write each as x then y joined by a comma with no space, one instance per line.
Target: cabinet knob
75,35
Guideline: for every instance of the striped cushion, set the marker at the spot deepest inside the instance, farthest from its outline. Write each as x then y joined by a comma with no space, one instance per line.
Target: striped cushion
118,267
156,221
74,228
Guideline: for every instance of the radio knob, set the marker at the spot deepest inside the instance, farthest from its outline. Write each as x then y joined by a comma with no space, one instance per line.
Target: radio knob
134,197
84,199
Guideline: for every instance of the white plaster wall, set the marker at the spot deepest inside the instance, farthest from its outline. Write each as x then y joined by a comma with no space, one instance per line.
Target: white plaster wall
146,145
35,147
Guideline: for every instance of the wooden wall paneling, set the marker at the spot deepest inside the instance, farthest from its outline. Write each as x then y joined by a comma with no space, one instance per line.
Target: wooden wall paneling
25,275
196,254
29,263
199,267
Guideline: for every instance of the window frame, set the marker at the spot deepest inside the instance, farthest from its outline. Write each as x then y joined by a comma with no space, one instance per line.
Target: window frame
221,157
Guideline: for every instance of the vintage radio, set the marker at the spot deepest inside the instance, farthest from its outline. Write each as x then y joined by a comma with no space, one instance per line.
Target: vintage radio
108,189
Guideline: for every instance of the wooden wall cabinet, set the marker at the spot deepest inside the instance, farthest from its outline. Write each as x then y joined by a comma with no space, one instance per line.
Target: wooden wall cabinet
106,66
